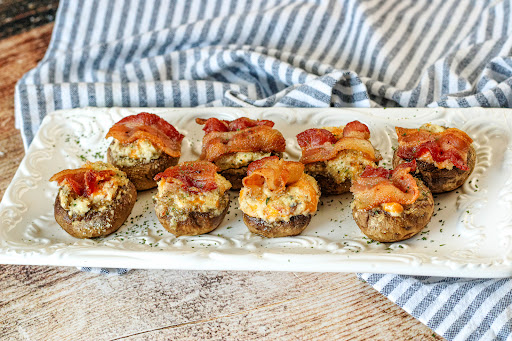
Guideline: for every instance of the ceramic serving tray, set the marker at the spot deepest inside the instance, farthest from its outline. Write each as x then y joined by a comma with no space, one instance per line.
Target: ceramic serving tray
468,236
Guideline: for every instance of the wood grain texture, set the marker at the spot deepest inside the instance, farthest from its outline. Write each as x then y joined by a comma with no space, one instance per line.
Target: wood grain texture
18,54
58,303
63,303
17,16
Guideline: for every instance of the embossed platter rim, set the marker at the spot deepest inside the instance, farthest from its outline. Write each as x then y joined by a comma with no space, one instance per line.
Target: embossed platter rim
470,236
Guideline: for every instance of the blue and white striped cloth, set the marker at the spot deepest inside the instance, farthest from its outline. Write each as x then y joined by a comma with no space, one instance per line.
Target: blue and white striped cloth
292,53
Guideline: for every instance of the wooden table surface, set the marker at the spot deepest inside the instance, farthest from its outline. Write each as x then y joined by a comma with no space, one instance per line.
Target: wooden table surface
61,303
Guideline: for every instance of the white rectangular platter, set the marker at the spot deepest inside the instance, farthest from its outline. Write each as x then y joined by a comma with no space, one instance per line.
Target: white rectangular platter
469,235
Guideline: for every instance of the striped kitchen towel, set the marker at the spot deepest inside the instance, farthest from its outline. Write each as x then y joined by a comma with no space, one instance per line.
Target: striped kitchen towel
359,53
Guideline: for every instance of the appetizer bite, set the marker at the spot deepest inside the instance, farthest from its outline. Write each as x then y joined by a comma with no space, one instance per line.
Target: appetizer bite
192,198
335,156
391,205
278,198
94,200
143,146
233,145
445,157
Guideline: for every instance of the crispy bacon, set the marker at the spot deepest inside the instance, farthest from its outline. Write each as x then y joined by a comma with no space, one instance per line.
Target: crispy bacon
256,139
377,186
214,124
151,127
244,123
379,172
330,151
195,176
275,172
356,129
321,144
84,181
451,144
315,138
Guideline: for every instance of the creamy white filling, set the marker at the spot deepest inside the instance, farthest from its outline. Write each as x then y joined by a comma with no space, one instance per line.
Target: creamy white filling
139,151
433,128
100,200
175,203
238,160
347,165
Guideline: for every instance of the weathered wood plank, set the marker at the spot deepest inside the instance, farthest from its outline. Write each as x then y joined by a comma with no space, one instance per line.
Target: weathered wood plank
62,303
18,54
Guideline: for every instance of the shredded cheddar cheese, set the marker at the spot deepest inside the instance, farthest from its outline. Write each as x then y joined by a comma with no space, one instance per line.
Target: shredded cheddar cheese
175,203
393,208
299,198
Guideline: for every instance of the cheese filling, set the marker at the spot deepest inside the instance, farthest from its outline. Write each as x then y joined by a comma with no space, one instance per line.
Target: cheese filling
393,208
139,151
238,160
446,164
336,131
100,200
347,165
433,128
300,198
174,203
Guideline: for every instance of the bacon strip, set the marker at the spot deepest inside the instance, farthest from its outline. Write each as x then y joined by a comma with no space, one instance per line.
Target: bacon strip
356,129
315,138
275,172
195,176
256,139
451,144
150,127
84,181
378,186
214,124
321,144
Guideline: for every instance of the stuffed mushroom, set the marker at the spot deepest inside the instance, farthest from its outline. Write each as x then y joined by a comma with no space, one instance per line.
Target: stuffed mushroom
93,200
391,206
335,156
233,145
143,146
192,198
278,198
445,157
